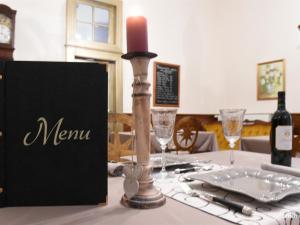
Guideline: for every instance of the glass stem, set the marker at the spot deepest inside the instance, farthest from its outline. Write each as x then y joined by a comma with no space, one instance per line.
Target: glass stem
163,158
231,154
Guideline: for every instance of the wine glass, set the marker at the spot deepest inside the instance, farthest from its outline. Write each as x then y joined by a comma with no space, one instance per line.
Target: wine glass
163,121
232,123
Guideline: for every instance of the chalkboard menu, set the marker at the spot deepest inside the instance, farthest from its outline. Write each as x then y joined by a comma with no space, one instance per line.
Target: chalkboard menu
166,84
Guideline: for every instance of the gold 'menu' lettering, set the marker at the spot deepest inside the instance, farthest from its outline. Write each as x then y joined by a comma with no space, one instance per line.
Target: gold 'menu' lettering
59,135
84,136
73,133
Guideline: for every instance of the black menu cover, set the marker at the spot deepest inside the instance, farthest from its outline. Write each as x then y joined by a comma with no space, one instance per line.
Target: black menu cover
53,140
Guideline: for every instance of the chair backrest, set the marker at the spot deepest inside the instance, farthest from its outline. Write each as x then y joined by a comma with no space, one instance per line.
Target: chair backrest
117,147
255,128
186,133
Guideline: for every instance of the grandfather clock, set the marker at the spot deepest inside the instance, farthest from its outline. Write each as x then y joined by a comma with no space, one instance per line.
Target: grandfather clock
7,32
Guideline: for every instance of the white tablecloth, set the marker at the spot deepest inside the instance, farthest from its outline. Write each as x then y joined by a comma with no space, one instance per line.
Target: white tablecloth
173,213
260,144
206,141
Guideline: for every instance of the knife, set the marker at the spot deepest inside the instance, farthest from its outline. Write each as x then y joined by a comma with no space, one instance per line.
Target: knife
193,169
186,170
243,209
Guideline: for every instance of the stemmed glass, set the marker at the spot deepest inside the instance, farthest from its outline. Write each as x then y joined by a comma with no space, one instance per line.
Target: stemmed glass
232,123
163,121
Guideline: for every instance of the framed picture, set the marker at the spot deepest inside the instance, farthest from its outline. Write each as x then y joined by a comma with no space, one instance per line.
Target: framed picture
270,79
166,83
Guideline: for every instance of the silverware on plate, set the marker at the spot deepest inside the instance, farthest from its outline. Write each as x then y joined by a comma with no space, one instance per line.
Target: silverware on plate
243,209
194,169
186,170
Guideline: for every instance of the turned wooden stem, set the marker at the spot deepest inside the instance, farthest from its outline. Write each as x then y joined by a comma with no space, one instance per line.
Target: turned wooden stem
148,196
141,108
141,116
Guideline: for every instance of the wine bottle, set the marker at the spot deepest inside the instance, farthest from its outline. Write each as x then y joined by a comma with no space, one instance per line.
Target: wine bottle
281,134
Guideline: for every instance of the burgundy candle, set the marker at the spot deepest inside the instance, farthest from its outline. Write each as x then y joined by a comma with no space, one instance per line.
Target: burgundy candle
137,36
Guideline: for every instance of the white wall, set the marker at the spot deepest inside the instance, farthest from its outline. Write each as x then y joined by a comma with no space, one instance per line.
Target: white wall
253,31
40,29
217,43
182,32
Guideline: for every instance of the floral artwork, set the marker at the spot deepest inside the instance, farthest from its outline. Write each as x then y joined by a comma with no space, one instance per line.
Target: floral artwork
270,79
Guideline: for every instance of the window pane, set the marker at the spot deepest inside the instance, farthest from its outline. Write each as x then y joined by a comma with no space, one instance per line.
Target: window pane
101,34
102,16
84,32
84,13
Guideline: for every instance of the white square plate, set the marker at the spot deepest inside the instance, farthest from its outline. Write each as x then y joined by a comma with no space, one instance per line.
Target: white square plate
264,186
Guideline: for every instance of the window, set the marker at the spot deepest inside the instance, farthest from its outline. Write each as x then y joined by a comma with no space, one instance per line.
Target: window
93,23
94,33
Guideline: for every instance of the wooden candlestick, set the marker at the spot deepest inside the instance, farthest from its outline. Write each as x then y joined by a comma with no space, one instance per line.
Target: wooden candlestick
147,196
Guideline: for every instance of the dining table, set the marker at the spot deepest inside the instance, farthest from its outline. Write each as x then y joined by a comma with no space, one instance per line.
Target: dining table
206,141
113,213
260,144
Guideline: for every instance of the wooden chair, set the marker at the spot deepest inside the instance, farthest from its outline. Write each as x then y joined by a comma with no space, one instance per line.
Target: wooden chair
117,149
186,133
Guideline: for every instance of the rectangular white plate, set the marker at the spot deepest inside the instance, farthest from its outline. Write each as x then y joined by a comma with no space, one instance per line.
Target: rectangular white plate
264,186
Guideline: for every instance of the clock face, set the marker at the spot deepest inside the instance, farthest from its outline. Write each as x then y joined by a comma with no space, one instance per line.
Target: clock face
5,29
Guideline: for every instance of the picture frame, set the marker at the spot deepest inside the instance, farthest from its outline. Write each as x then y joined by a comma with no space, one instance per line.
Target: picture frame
166,84
270,79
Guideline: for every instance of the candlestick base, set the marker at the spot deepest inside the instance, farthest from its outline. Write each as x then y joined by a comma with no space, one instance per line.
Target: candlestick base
131,55
148,196
144,202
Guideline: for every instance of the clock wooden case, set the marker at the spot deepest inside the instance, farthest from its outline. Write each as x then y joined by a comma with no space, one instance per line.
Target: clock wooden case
7,32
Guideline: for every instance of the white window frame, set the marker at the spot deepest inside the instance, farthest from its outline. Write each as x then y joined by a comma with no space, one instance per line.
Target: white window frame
97,50
115,34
